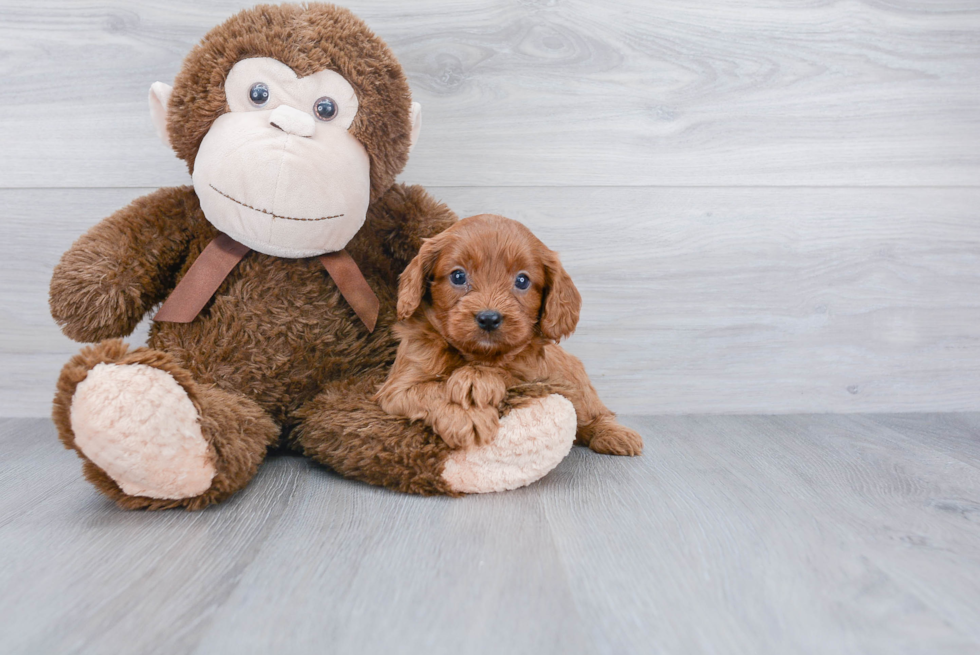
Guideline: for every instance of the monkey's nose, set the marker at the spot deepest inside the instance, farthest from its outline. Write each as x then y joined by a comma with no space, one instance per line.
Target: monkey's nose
292,121
489,320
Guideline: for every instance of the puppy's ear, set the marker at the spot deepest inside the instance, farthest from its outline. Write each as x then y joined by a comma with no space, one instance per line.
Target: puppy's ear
415,278
562,302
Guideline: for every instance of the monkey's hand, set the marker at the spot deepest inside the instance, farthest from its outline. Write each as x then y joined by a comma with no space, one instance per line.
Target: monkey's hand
472,386
111,277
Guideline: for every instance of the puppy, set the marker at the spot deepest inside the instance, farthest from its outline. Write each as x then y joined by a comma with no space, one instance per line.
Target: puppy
481,309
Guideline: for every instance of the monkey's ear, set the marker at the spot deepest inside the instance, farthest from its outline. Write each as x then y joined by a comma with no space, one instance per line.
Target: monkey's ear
416,124
415,278
159,97
562,302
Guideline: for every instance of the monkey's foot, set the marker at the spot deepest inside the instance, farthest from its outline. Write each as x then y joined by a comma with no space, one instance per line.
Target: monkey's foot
529,444
137,424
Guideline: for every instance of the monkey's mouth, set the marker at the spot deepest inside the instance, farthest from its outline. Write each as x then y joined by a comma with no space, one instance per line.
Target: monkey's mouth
288,218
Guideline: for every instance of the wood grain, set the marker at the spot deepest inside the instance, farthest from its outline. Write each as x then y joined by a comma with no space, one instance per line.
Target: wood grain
548,93
774,535
706,300
749,534
754,291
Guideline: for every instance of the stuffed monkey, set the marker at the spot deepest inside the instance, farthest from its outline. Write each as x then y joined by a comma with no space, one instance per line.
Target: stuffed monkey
277,271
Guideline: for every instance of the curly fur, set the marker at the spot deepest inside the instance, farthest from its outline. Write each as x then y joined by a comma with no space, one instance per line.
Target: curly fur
454,375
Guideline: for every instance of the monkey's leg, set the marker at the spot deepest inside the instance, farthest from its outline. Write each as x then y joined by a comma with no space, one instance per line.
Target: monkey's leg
150,436
346,430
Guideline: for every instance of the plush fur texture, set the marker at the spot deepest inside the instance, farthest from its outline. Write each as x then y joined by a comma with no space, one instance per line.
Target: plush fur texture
238,432
276,327
277,356
345,429
139,426
277,332
528,445
452,373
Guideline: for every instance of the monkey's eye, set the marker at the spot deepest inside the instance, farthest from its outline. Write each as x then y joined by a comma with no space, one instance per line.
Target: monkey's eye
258,94
325,109
522,282
458,277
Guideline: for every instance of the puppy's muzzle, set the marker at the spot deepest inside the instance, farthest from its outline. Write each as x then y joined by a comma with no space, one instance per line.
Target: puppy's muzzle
489,319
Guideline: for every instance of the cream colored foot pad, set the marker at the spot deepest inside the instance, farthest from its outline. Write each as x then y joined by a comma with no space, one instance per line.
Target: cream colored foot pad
529,444
140,427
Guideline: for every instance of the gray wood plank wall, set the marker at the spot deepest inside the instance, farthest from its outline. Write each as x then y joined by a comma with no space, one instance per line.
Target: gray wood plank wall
770,207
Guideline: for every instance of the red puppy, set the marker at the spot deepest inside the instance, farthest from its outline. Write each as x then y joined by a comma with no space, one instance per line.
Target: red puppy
482,307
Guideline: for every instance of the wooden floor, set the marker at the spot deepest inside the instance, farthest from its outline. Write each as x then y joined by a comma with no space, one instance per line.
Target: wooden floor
751,534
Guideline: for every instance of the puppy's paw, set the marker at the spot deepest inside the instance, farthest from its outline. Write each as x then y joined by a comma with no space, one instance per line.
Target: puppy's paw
463,428
611,438
450,423
475,387
531,441
486,422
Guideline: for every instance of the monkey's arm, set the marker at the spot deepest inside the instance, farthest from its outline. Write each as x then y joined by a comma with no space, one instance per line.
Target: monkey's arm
408,215
111,276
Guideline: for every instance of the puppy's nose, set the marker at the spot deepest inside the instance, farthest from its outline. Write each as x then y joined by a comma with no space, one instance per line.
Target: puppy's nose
489,320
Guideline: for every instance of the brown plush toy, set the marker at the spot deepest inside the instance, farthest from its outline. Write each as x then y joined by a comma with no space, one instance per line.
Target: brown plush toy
278,274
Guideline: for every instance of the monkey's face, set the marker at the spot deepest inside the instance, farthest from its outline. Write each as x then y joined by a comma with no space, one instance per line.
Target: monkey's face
280,172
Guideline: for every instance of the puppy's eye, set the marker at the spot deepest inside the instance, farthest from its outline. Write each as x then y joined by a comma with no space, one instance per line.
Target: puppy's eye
458,277
258,94
522,282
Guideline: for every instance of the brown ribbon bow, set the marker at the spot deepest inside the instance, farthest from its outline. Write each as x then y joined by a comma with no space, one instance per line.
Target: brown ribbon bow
220,256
